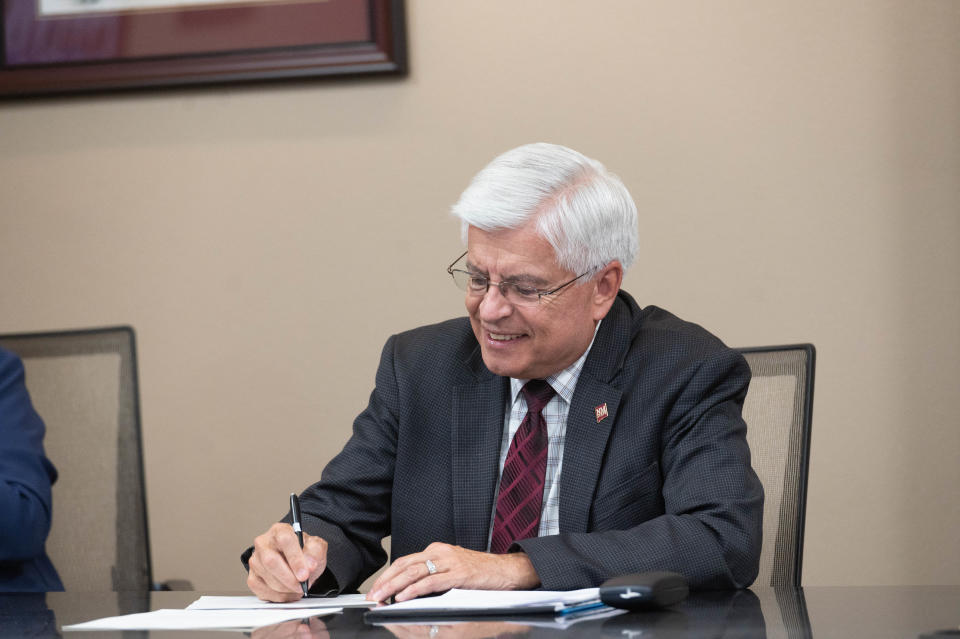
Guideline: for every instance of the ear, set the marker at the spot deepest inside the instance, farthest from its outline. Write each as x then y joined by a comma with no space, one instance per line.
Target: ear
607,285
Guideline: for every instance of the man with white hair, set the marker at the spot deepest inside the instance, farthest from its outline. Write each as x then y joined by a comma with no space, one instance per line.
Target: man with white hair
558,436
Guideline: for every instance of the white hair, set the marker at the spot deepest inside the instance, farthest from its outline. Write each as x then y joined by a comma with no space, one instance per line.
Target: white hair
583,211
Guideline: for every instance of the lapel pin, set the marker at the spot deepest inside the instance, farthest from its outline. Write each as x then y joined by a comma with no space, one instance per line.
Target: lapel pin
602,412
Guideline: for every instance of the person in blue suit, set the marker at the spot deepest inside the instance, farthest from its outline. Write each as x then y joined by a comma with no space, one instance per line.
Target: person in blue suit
25,479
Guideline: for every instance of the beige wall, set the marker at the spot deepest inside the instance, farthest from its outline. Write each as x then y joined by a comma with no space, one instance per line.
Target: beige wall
797,169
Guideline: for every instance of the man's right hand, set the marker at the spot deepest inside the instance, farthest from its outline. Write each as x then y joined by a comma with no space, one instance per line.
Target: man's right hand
278,565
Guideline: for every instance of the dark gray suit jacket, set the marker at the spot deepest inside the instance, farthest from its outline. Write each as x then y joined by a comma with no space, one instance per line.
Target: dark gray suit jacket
663,483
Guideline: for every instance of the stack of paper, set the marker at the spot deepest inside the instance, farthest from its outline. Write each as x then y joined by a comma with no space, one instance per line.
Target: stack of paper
247,613
225,613
166,619
464,603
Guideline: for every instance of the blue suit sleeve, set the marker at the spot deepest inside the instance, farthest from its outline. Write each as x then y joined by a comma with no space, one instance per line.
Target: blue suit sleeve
25,473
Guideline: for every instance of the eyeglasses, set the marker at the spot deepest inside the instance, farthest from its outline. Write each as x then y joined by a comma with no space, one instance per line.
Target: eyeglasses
514,292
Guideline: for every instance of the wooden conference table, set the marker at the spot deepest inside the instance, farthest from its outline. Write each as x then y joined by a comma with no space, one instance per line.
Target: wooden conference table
875,611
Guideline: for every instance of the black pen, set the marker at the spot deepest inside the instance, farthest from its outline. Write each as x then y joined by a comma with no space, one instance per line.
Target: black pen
295,513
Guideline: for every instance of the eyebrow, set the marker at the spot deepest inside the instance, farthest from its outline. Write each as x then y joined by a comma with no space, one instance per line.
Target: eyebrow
523,277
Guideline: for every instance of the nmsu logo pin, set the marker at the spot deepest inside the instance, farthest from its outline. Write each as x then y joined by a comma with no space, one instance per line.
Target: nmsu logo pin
602,412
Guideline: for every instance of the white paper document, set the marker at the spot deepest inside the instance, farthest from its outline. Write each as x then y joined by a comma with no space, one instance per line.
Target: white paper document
200,619
493,602
555,621
251,602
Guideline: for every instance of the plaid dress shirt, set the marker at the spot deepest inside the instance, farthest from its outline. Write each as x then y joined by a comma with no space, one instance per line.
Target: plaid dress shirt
555,414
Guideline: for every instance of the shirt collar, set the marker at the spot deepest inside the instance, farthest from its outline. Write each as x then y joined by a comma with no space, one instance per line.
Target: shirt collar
563,382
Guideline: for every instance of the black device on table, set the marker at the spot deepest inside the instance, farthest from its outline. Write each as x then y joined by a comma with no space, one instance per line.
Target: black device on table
644,591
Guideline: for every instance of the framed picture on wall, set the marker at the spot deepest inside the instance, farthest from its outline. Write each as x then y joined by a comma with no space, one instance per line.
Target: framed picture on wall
67,46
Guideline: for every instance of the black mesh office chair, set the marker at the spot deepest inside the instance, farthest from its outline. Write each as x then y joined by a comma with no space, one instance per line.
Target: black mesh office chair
777,411
84,386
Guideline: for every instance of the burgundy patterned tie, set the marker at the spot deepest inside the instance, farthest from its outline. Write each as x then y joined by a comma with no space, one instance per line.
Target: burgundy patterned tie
521,484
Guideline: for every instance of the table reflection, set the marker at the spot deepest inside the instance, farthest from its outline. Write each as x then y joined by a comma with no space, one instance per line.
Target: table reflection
777,614
714,614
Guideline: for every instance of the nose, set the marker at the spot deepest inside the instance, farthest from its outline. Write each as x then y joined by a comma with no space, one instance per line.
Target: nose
494,306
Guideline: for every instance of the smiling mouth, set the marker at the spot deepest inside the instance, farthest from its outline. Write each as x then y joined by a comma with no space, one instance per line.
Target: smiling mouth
500,337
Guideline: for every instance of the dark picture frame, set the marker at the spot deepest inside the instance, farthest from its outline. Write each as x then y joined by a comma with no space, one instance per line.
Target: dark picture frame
250,40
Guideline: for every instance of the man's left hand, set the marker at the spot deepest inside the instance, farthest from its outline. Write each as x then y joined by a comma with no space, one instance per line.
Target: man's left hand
456,567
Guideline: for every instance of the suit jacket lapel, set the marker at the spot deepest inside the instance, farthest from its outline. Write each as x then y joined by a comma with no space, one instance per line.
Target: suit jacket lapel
583,450
477,428
478,414
587,431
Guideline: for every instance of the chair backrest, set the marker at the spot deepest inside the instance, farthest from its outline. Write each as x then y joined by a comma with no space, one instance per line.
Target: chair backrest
84,386
777,411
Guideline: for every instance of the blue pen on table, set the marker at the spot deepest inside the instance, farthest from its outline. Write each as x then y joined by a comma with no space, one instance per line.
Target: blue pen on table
295,514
